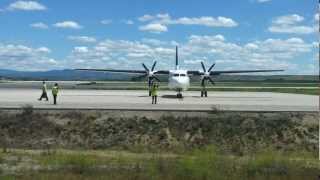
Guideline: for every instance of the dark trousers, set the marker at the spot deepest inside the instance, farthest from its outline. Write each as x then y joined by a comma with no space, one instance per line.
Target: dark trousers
154,99
54,99
44,95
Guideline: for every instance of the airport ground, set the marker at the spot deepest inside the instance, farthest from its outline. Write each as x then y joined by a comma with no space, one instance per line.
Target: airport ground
110,130
251,86
125,96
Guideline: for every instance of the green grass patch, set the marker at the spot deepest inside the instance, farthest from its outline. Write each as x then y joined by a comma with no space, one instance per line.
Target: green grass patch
205,163
277,90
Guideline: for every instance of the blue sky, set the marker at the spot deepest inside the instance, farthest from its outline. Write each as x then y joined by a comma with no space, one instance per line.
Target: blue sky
244,34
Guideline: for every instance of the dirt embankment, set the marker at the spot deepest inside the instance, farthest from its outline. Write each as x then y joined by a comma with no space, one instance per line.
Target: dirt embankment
234,132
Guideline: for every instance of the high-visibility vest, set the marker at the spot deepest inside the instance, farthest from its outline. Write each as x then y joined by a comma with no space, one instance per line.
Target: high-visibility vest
55,90
154,90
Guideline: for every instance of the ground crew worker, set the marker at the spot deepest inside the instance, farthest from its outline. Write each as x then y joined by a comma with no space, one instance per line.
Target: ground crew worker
55,91
44,92
154,92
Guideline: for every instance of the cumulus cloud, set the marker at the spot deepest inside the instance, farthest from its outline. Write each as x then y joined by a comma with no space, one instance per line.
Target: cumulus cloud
21,57
316,17
290,24
39,25
106,21
68,25
206,21
263,1
43,50
129,22
26,6
154,28
82,39
146,17
81,49
264,54
163,20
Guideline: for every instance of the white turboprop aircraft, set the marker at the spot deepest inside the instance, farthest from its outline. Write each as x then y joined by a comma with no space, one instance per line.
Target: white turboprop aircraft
179,79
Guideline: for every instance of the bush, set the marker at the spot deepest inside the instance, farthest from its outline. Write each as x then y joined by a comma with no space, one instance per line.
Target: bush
27,110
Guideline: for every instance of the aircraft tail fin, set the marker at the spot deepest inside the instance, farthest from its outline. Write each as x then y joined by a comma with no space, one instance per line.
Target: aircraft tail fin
177,58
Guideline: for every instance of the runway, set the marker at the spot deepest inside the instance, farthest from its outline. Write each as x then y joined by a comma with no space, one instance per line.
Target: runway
11,98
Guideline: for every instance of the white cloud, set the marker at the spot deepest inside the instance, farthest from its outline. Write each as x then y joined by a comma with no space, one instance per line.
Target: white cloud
26,6
263,1
106,21
39,25
146,17
43,50
198,61
264,54
129,22
81,49
316,17
21,57
288,19
68,25
82,39
206,21
165,20
290,24
292,29
154,28
153,42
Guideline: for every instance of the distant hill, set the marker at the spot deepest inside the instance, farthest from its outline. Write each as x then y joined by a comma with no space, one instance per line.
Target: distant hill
73,75
62,75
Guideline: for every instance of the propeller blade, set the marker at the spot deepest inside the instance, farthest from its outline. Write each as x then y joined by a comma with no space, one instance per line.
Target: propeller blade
154,65
149,81
211,67
211,80
203,67
145,67
156,78
202,81
141,76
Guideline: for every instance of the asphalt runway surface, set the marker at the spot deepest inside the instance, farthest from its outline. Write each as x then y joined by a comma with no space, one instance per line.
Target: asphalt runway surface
12,98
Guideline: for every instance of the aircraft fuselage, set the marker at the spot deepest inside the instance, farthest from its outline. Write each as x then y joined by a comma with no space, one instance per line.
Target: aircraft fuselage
178,80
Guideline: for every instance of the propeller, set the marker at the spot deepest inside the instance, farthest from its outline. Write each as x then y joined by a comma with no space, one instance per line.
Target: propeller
150,73
206,74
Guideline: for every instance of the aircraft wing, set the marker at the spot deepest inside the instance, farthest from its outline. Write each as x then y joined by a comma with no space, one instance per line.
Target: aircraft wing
194,73
230,72
125,71
115,70
241,71
162,72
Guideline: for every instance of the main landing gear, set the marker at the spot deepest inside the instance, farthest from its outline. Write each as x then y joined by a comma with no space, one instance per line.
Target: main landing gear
179,95
204,92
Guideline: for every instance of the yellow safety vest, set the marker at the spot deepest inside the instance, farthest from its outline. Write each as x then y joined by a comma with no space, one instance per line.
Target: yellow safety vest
55,90
154,91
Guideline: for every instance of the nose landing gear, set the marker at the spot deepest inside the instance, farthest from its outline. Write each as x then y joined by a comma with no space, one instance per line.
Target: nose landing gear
179,95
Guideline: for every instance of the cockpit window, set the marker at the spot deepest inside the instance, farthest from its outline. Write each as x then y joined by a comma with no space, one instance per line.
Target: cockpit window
182,75
176,75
